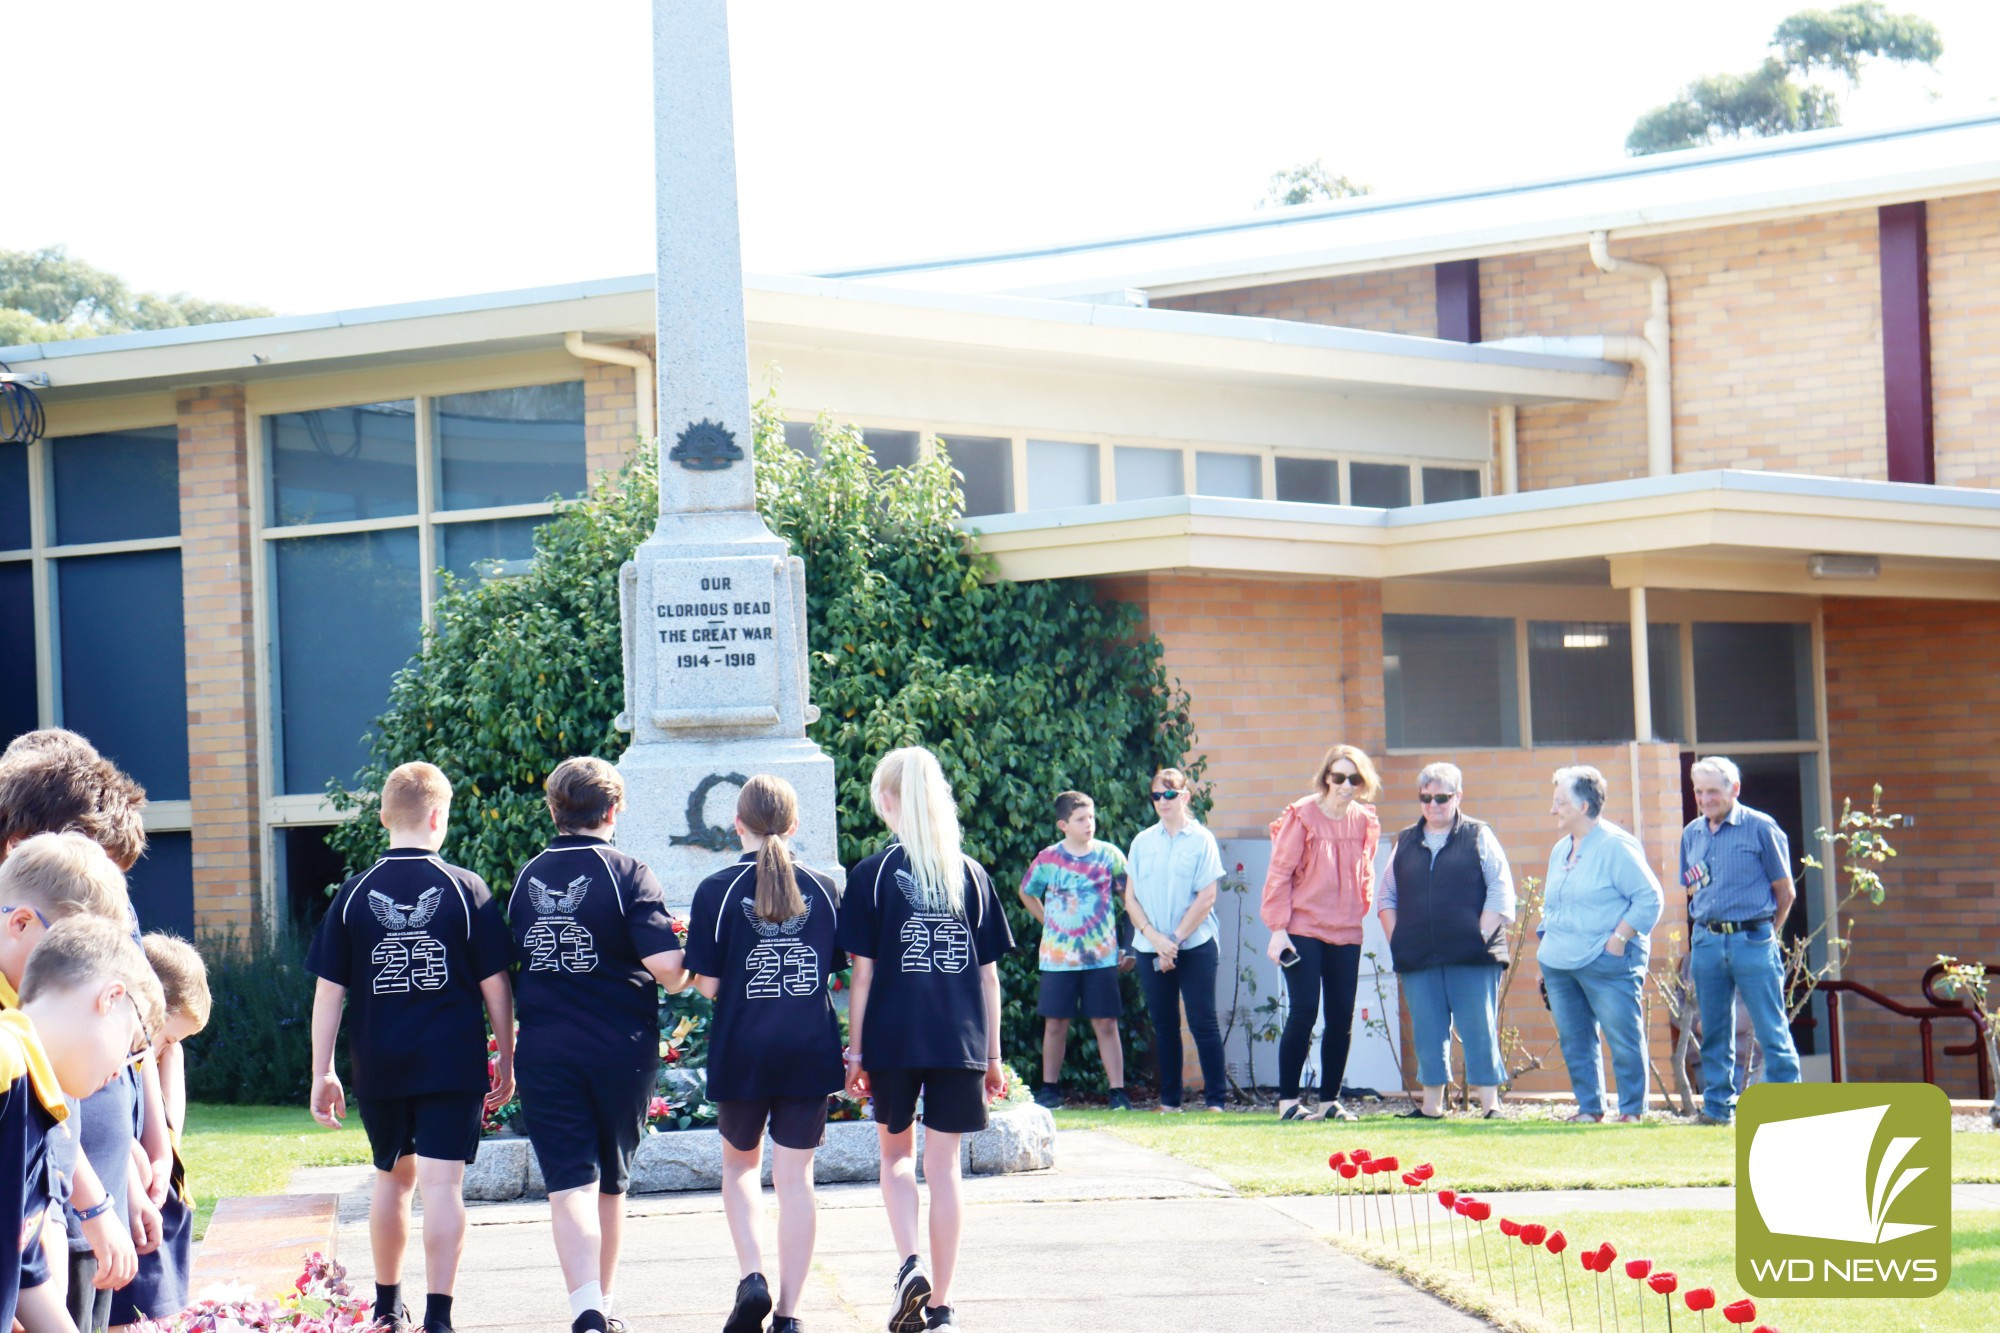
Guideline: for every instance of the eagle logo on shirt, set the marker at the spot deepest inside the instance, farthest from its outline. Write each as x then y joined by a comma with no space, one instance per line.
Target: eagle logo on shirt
568,947
781,963
771,930
932,941
394,916
564,902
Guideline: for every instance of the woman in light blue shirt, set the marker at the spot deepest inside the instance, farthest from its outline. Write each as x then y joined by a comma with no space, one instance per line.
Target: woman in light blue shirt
1600,906
1173,870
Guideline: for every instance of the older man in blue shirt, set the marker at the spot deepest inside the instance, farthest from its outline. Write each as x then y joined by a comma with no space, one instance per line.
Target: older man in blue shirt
1736,867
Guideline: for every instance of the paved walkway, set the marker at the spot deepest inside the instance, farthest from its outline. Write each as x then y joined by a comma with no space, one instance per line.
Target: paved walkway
1116,1237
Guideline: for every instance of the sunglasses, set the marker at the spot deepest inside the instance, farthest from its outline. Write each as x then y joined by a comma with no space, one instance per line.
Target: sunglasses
1352,779
1167,795
1445,799
36,910
145,1043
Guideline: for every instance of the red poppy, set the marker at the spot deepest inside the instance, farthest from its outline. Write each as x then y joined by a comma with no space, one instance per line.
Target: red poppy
1481,1210
1557,1242
1588,1259
1605,1254
1463,1207
1700,1298
1411,1179
1391,1164
673,1054
1740,1312
1534,1233
1424,1170
1638,1268
1333,1162
1361,1154
1446,1198
1509,1227
1763,1328
1348,1170
1664,1283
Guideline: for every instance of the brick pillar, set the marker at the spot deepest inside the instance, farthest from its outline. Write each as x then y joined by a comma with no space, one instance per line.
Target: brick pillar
216,551
610,413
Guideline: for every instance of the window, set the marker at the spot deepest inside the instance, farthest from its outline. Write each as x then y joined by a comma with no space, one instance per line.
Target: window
14,527
892,448
1309,480
1061,474
475,552
1580,681
339,464
1450,483
162,884
1753,682
799,436
304,868
1450,681
122,663
1147,474
510,446
1378,485
1240,476
19,710
985,467
114,487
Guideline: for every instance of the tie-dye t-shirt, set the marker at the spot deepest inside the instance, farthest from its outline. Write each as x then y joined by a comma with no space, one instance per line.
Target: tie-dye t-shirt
1079,899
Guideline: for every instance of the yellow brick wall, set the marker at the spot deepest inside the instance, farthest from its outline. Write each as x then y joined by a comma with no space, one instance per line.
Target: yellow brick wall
610,413
1964,250
1401,300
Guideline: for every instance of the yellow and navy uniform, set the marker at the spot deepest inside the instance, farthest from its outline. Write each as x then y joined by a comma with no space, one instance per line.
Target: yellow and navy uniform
31,1105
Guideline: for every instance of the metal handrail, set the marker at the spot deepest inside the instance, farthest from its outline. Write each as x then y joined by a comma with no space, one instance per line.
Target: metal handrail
1926,1016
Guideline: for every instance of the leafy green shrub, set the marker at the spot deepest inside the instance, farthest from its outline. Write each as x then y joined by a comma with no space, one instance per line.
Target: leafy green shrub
1022,689
257,1048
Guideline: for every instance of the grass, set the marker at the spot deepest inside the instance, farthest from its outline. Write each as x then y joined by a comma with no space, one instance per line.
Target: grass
236,1150
1259,1155
1699,1247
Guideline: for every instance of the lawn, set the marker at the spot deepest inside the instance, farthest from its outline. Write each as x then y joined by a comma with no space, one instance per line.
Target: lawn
1699,1247
232,1150
1260,1155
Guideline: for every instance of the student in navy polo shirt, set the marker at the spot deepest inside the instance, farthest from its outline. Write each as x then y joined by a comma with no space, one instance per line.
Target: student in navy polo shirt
595,938
925,931
419,953
761,945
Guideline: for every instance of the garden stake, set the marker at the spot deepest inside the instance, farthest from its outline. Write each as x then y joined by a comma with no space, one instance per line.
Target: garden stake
1591,1263
1557,1243
1389,1166
1700,1299
1636,1269
1532,1236
1480,1212
1348,1171
1511,1229
1446,1198
1665,1283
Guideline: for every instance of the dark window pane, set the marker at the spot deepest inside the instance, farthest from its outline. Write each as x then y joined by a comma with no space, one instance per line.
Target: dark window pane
14,534
122,654
347,614
1147,474
1309,480
1580,681
342,463
1061,474
1449,681
510,446
986,468
1450,483
1378,485
162,884
1236,476
120,486
477,551
891,448
1753,683
305,868
799,435
17,660
1663,665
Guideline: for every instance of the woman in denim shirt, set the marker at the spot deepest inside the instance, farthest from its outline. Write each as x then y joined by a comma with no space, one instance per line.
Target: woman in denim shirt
1601,905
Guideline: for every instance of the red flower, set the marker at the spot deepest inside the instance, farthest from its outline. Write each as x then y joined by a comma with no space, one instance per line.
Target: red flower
1740,1312
1588,1258
1534,1233
1700,1298
1361,1154
1557,1242
1605,1254
1412,1179
1424,1171
673,1054
1333,1162
1638,1268
1391,1164
1348,1170
1446,1198
1481,1210
1509,1227
1763,1328
1664,1283
1463,1207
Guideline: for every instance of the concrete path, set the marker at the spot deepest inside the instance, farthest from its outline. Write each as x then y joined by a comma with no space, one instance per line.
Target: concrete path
1117,1237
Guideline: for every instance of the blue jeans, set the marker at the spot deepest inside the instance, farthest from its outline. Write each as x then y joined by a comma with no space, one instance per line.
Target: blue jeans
1190,982
1747,964
1465,994
1603,993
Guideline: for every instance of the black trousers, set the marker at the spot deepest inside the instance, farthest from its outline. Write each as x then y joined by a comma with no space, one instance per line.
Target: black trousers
1190,982
1323,970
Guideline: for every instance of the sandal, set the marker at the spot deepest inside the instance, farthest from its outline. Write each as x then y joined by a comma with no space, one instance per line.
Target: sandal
1584,1118
1335,1111
1494,1114
1296,1111
1418,1112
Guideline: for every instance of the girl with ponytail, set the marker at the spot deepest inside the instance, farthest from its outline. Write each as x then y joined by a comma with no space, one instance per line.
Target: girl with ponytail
925,932
761,943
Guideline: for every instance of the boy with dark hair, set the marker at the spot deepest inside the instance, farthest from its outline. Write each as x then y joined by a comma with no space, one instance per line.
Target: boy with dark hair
88,1001
53,780
418,951
596,943
1073,889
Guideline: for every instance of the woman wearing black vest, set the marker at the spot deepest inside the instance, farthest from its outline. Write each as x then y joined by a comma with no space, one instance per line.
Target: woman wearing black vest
1446,899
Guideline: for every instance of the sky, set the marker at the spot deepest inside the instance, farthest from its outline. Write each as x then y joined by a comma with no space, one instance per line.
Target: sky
309,156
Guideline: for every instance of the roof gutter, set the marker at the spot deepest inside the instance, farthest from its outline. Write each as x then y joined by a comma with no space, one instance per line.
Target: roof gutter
644,387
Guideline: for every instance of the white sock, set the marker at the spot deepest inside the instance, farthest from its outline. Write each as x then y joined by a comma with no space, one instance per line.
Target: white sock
589,1296
606,1307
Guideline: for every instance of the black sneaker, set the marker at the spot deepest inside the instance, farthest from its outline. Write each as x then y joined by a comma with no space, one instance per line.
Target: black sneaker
785,1323
1049,1096
590,1321
398,1322
1119,1101
940,1316
613,1324
913,1288
753,1302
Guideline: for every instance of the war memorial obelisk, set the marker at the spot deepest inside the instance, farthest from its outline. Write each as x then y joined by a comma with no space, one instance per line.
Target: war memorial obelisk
713,604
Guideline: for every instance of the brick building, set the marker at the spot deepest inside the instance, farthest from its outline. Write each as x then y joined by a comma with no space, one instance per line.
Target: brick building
1692,454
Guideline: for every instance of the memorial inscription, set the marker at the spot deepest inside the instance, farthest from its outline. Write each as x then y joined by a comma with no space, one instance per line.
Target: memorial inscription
715,625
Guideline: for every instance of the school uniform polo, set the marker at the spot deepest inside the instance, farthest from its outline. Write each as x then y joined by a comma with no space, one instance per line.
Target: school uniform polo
31,1106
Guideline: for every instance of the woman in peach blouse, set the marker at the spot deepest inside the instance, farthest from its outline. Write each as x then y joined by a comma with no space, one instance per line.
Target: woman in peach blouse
1315,896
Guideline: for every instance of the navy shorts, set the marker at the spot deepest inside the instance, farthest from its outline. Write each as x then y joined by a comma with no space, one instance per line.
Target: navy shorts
585,1122
954,1099
443,1125
796,1122
1094,990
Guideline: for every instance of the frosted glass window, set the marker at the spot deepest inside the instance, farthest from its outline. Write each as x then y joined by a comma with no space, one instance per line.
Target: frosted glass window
469,550
122,655
1449,681
1239,476
1753,682
1378,485
162,884
1061,474
118,486
342,463
1580,681
1147,474
17,663
14,534
1450,483
510,446
985,467
891,448
799,435
347,616
1309,480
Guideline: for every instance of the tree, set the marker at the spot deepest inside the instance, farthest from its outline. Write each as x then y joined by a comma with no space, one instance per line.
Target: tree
1309,182
1774,98
1022,689
46,296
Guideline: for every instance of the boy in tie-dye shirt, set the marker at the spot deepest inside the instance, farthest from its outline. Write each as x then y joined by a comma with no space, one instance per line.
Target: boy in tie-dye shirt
1073,889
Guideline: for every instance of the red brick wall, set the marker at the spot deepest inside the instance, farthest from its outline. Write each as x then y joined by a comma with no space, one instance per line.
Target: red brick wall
216,551
1400,300
1964,236
1913,703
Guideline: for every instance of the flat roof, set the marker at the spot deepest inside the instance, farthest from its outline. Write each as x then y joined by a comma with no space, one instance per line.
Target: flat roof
1801,173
